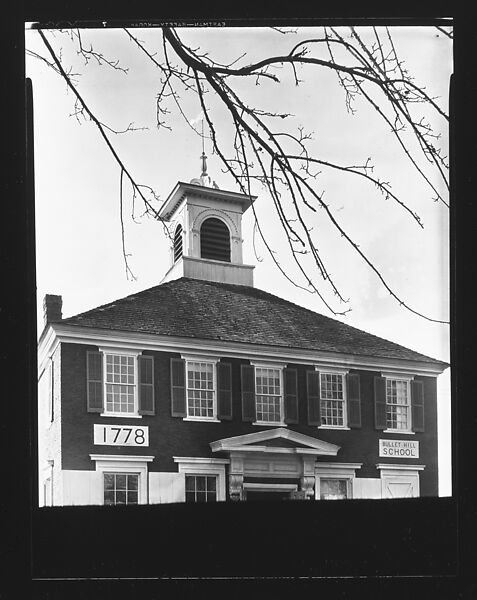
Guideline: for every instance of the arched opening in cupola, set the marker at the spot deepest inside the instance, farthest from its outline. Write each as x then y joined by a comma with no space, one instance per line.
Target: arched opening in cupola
215,240
178,243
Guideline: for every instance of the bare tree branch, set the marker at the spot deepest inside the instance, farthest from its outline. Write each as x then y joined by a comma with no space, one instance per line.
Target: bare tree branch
278,160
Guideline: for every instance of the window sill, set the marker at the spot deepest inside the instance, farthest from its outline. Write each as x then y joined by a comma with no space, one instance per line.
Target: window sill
121,415
335,427
269,424
201,420
399,431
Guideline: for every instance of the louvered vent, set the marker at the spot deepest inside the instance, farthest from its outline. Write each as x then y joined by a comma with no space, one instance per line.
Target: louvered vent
178,243
215,240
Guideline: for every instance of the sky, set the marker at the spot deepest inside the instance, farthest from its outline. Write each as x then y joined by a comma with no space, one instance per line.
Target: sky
77,183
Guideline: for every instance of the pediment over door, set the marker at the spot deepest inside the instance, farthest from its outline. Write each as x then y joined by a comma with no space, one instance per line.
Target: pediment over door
279,440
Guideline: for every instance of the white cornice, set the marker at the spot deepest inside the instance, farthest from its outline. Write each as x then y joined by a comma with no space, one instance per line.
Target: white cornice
400,467
200,460
241,442
274,450
181,188
122,457
46,347
75,334
328,369
337,465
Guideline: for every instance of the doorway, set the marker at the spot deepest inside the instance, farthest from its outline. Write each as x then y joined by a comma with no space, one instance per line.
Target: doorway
260,496
268,492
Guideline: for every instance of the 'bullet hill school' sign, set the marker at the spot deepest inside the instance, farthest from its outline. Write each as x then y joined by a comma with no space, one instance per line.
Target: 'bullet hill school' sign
399,448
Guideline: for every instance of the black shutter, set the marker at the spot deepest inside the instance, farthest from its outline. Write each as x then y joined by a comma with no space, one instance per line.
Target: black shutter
94,384
146,385
224,391
417,403
380,402
178,390
290,377
354,400
248,392
313,395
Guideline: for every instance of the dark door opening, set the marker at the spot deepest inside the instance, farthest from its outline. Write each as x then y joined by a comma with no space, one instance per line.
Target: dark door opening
260,496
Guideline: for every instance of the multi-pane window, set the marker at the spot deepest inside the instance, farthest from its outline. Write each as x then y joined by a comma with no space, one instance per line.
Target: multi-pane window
333,489
201,488
121,488
268,394
397,404
120,383
332,399
200,389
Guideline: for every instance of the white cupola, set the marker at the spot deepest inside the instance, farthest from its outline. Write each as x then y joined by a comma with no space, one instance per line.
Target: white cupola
206,231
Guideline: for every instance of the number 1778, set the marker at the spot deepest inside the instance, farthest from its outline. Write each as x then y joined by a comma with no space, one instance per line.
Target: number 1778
110,435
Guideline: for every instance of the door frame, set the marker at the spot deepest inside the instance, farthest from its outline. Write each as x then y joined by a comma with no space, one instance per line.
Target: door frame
268,487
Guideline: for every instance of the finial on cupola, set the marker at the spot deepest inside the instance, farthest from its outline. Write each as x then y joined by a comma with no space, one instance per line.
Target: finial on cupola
203,156
204,164
204,178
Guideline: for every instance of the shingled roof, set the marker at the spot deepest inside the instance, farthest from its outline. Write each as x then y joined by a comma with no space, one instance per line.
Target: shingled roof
193,308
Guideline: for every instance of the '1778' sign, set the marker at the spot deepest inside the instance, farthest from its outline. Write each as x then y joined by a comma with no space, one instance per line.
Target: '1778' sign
121,435
399,448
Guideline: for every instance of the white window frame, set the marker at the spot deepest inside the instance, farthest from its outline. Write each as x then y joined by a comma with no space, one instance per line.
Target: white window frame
126,474
188,358
279,367
191,465
110,463
400,377
345,471
121,352
323,370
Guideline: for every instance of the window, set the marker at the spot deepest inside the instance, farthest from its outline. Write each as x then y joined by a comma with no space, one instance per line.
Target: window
201,389
332,400
215,240
120,383
398,414
333,489
121,488
335,481
178,243
204,478
124,478
201,488
268,393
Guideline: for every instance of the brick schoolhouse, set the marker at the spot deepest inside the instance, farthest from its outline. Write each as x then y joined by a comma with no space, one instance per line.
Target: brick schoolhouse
205,388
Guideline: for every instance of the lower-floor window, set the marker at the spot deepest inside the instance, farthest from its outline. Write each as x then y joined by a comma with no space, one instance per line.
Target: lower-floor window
121,488
201,488
333,489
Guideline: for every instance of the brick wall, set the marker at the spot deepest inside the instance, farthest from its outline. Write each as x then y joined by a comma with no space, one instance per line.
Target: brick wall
169,436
